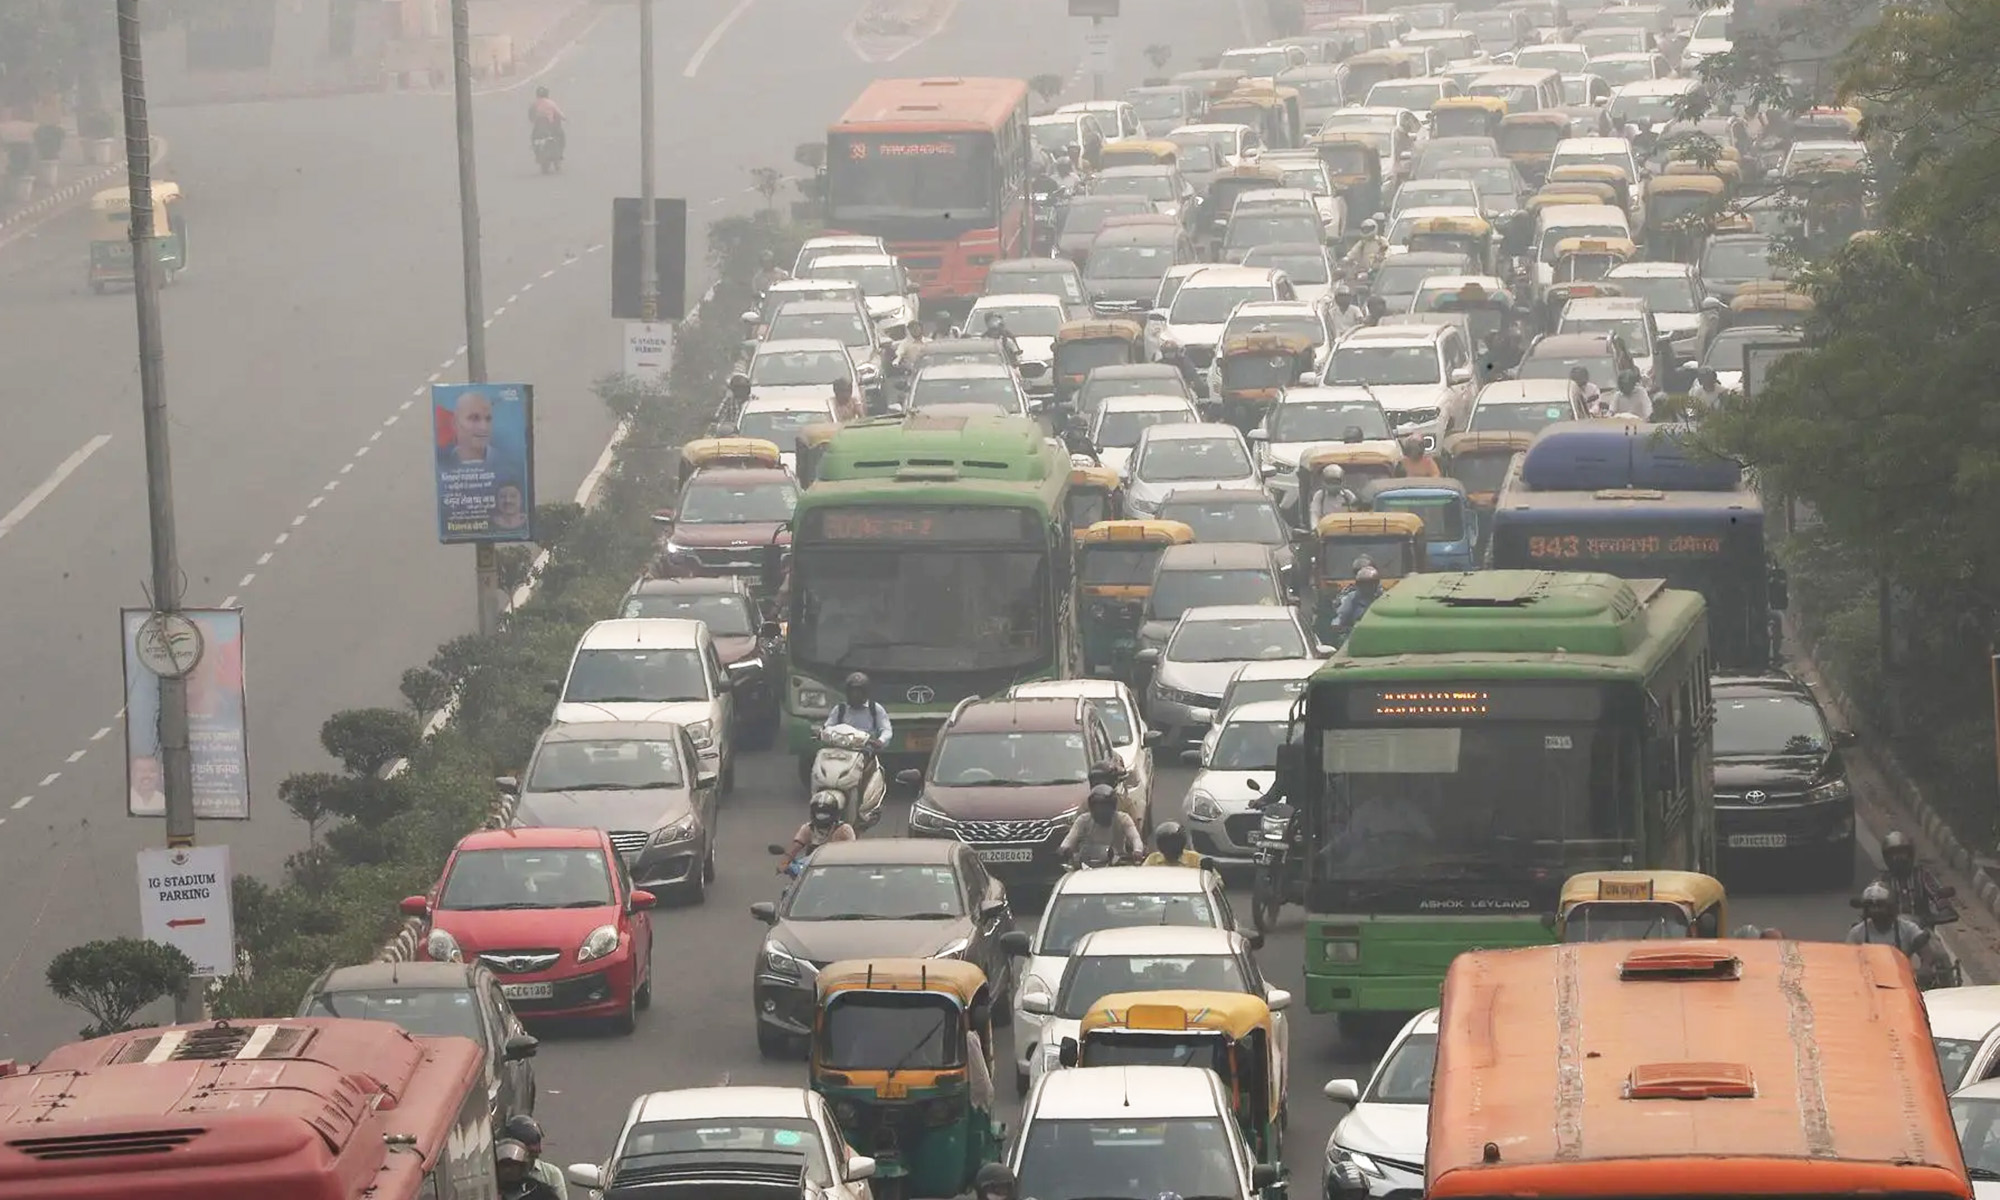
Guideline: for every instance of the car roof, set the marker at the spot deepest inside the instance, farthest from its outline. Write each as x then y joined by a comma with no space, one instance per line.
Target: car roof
1198,556
611,731
684,1103
887,850
1393,335
1275,308
854,260
966,370
1231,495
1606,306
1672,85
1138,235
1192,431
801,345
1126,1094
1424,212
1563,345
417,976
1440,181
1425,258
1217,275
1023,266
1120,881
533,837
1207,127
1112,200
1036,714
1424,1022
642,633
1019,300
814,284
1168,402
1985,1089
1264,712
1093,689
1524,391
1571,47
1453,282
1584,214
1963,1013
1651,269
822,240
1272,195
693,585
814,304
1156,939
1237,612
1593,145
1761,685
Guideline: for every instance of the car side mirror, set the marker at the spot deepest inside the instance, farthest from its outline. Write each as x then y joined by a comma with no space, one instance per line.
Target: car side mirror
910,778
507,783
1845,737
1266,1175
1151,738
1068,1053
765,911
1191,757
664,518
642,901
724,684
752,317
992,910
1692,364
1255,941
705,779
415,906
1259,434
1149,656
1016,943
1038,1004
1342,1091
520,1046
1157,315
1711,304
1459,375
585,1175
860,1167
1277,999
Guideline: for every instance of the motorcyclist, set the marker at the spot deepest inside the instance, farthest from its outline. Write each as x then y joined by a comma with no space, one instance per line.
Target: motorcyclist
1631,399
739,394
995,1181
1588,393
1882,925
823,825
1175,355
1503,350
768,273
846,405
996,328
1378,310
1917,891
1417,460
1368,252
1102,834
526,1130
1351,314
514,1167
1706,394
858,711
1332,496
1355,602
545,116
1068,178
1170,847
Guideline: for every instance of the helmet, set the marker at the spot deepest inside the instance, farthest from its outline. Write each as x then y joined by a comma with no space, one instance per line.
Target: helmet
856,682
1898,843
1876,896
1361,563
1332,474
508,1150
1747,932
1580,374
1413,446
1369,226
1108,772
1379,219
1102,795
843,386
1170,839
524,1129
993,1177
541,93
739,382
824,809
1368,574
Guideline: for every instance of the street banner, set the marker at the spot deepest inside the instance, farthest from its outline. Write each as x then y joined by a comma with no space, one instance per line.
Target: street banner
209,655
483,437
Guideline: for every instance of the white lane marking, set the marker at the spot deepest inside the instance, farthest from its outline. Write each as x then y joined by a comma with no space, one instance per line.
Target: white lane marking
459,355
406,405
49,778
435,376
498,311
101,734
229,601
549,273
525,288
348,466
264,558
715,37
488,323
43,490
281,539
316,501
393,418
373,438
76,757
245,581
360,453
331,484
24,802
418,393
446,364
300,519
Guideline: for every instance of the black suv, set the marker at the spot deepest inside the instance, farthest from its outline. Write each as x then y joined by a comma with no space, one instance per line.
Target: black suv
1780,785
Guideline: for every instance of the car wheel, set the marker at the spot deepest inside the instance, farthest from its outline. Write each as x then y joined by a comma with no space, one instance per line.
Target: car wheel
643,998
1021,1083
695,890
773,1043
628,1020
708,865
727,784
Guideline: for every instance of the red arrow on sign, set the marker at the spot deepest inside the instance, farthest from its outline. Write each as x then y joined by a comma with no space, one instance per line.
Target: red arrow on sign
184,922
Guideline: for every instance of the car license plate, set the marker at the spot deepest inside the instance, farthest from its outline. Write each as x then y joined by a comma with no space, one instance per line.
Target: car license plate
1756,841
529,991
920,743
1015,854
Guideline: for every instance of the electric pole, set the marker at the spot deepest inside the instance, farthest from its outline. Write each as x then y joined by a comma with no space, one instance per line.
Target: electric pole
176,760
649,224
486,560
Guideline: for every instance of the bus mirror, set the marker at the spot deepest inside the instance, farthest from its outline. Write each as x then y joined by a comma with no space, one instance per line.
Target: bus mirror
772,569
1549,921
1291,769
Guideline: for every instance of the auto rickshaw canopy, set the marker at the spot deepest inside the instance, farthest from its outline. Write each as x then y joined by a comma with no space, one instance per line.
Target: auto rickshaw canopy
1590,173
1092,329
1687,893
1265,342
730,452
113,207
1235,1015
1098,478
1600,191
1250,173
1215,81
961,981
1457,226
1619,249
1728,170
1468,116
1509,441
1149,532
1775,301
1699,181
1364,460
1563,197
1845,122
1139,153
1348,159
1369,524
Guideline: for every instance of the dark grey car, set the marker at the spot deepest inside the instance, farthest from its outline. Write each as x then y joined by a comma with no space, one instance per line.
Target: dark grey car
639,781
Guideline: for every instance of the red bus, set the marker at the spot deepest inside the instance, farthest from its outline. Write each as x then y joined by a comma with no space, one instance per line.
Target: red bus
939,170
293,1109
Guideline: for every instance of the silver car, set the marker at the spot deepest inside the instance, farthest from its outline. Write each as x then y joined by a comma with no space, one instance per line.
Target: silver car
1237,766
990,386
1203,653
1032,321
1171,458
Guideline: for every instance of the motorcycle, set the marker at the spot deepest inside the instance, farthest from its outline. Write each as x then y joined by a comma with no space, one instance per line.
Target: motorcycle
839,768
548,150
1271,886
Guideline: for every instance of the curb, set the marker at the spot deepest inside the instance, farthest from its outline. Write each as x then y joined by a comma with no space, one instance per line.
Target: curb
50,205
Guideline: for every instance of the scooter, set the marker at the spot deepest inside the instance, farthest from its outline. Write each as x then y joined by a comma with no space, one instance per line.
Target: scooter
548,151
838,770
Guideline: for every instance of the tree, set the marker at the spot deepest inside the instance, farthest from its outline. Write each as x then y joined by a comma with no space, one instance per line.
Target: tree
113,980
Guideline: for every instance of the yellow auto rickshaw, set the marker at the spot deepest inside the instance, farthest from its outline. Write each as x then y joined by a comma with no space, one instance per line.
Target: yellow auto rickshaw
1529,140
728,452
1371,67
1287,99
893,1047
1265,114
1359,466
1627,906
1680,209
1541,201
1829,124
1214,82
1228,184
1393,542
1254,369
1085,345
1229,1033
1468,116
1095,494
1470,236
1355,167
111,236
1573,174
1115,563
1580,267
1599,192
810,447
1486,308
1139,153
1771,302
1481,461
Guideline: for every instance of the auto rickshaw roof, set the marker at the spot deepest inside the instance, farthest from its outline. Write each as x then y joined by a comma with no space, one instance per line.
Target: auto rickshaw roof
941,976
1510,441
1602,191
1094,477
1250,171
1265,89
1621,247
1370,524
1269,342
1092,328
1562,199
1692,888
1492,104
1232,1014
819,434
1375,489
732,451
1469,226
1150,532
1698,182
1551,119
1157,147
1348,456
1590,173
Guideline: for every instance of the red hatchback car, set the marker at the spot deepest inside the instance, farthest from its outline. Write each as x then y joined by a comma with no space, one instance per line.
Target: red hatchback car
553,914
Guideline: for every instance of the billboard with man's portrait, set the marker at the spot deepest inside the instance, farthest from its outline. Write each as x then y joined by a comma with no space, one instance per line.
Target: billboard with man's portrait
483,440
216,720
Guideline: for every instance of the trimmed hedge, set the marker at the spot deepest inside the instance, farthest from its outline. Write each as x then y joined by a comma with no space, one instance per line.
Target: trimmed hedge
373,840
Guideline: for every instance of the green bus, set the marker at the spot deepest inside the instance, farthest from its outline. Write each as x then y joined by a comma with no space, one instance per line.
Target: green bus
1480,738
930,553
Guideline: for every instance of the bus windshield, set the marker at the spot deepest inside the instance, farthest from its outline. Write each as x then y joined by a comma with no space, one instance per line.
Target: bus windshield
927,175
922,609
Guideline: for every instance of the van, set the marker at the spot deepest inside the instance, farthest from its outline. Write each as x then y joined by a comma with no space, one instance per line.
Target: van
1525,89
654,669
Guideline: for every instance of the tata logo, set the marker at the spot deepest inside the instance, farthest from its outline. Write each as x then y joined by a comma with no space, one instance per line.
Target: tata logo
923,695
1755,797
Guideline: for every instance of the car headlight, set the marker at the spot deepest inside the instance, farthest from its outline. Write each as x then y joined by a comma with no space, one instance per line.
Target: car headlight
1033,983
1831,792
813,699
1414,416
1338,1153
677,553
442,947
867,372
923,816
701,733
679,831
598,943
1202,807
1052,1056
952,949
780,961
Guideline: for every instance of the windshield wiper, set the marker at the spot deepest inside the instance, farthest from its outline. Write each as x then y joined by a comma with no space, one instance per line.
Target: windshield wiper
585,904
918,1045
492,907
927,916
594,787
849,917
1983,1174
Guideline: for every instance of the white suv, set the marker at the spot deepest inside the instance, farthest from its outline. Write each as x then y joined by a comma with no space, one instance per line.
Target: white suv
654,669
1421,374
705,1128
1157,1130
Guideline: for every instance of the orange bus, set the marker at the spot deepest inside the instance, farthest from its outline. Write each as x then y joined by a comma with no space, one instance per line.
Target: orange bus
294,1109
1689,1068
939,170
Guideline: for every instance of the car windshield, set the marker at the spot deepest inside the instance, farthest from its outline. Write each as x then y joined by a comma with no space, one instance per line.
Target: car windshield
1309,176
1632,330
1712,25
1121,430
1978,1122
1056,136
1258,228
1385,365
1174,592
1197,153
1072,916
1088,214
1228,520
1638,110
1114,1159
1406,1077
781,426
1129,262
1167,107
607,766
1397,279
1235,641
800,368
848,328
994,390
1117,721
422,1012
1308,269
654,1144
1496,185
1023,320
1250,691
1091,978
874,279
1725,353
1032,281
1624,70
1662,293
1748,258
1212,305
876,892
1762,726
1600,42
1551,58
1954,1058
1010,758
1247,746
736,503
626,676
1176,460
1513,417
1146,187
1556,235
727,614
1601,368
1098,388
1417,95
489,880
1302,324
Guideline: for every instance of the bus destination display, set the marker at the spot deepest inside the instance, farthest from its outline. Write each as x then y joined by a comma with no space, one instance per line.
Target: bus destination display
1454,703
913,147
922,525
1591,547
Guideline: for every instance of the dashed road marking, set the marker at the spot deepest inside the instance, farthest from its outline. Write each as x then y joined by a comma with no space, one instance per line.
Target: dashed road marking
76,756
229,601
264,558
49,778
245,581
101,734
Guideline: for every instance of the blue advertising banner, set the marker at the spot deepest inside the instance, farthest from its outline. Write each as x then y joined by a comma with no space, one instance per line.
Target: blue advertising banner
483,437
216,716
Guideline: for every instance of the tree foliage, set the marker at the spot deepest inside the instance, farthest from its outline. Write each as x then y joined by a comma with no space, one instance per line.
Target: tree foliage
116,979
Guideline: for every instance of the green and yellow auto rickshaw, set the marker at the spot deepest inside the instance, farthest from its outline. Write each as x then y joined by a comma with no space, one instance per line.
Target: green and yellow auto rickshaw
1624,906
1371,67
1771,302
1470,236
811,446
1085,345
1392,541
1355,167
893,1047
1229,1033
1253,369
1581,265
1680,209
1599,178
1529,141
702,453
1096,494
1290,111
1468,116
111,236
1214,82
1115,565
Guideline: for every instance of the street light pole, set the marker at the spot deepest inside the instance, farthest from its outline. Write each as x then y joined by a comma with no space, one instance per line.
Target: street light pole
486,560
176,760
649,225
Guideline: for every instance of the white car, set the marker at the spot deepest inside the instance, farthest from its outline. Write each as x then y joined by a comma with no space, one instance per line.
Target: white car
989,384
1168,458
1965,1032
1281,679
1119,710
1314,319
1150,958
719,1124
1437,192
1233,145
756,321
1032,320
1202,653
834,244
1084,902
1158,1131
1422,374
839,319
1976,1112
1205,299
1682,307
1709,37
1566,57
1119,120
1632,67
781,419
1306,418
1630,317
654,669
1525,405
1120,421
1239,762
886,288
1387,1123
801,369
